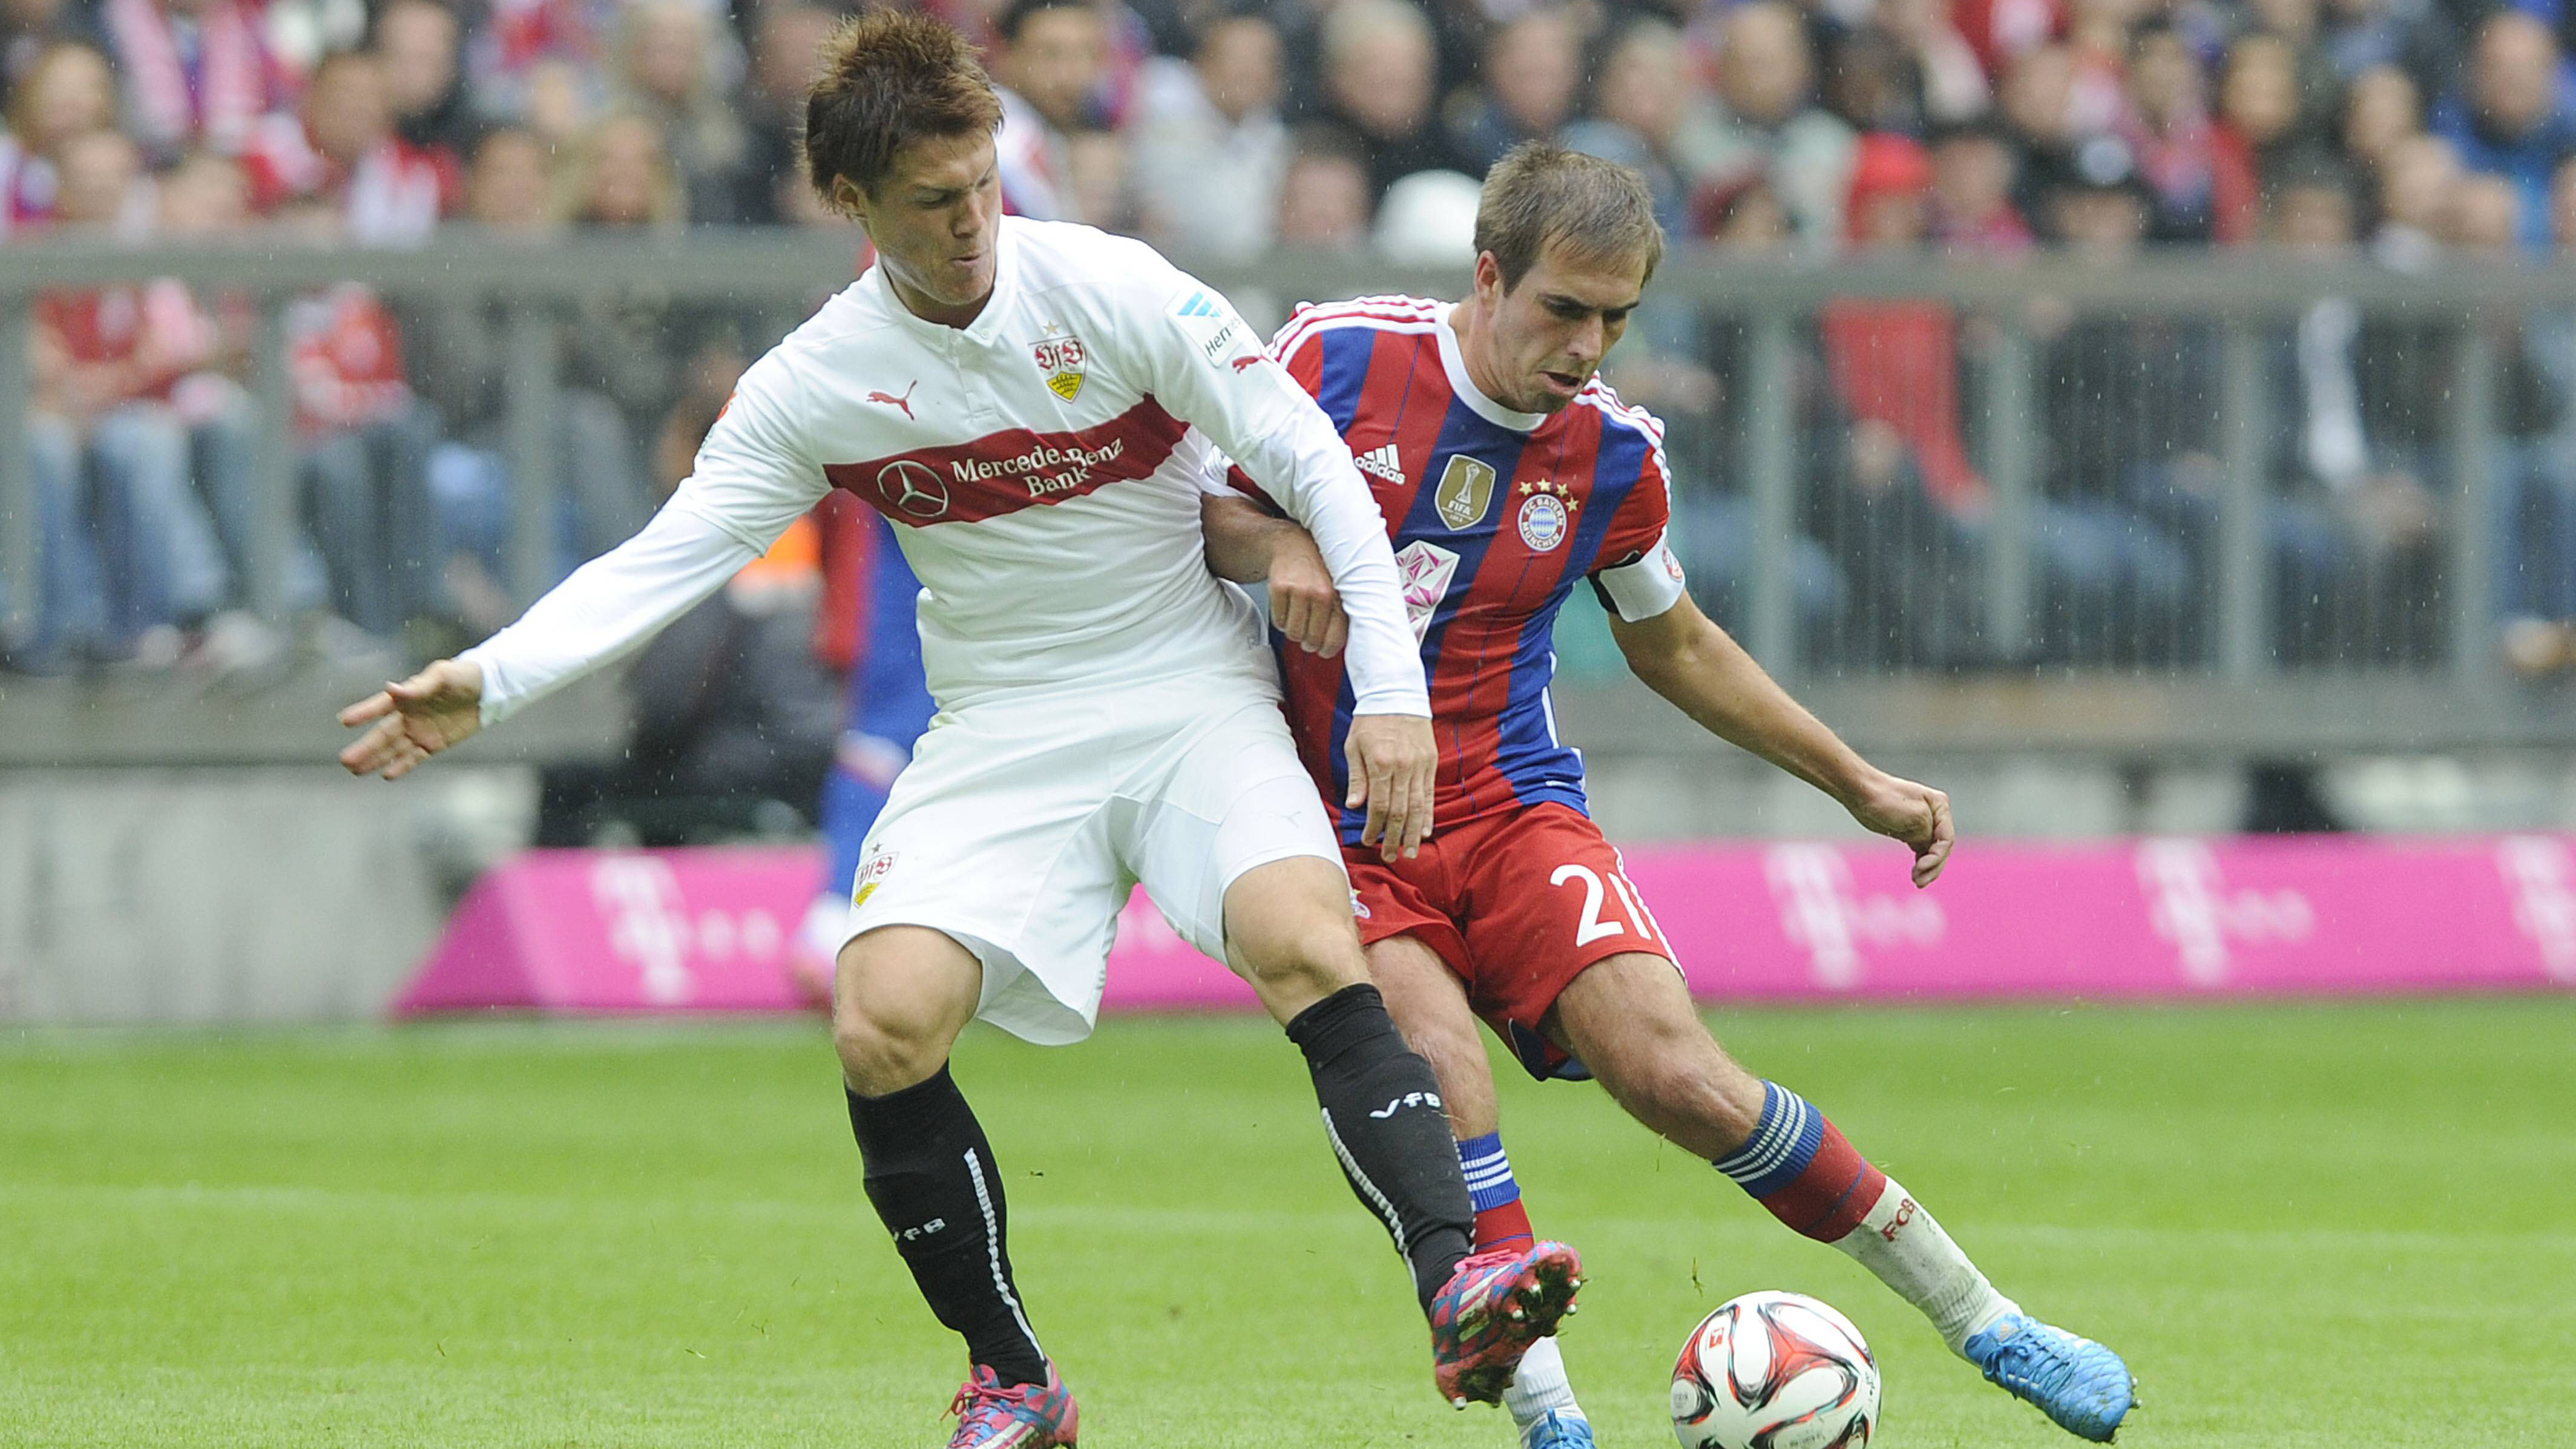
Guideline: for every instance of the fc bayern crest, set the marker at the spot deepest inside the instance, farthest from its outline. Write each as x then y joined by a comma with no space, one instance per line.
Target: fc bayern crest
1062,360
1547,515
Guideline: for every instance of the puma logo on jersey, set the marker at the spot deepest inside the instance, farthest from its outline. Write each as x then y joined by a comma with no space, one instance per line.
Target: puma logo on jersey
1409,1099
890,400
1381,462
1241,363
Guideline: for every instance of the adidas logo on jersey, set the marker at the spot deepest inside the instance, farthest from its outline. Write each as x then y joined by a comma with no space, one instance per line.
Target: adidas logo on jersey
1380,462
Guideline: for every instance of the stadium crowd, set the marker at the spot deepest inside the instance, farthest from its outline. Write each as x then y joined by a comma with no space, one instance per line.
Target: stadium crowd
2409,128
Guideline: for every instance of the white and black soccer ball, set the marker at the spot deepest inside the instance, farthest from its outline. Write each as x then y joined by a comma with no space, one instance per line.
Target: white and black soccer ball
1775,1371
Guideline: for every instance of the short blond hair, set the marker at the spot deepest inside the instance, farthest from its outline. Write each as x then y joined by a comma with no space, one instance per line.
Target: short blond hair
1540,194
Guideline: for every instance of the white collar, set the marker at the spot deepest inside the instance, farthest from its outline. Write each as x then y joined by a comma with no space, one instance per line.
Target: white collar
1454,363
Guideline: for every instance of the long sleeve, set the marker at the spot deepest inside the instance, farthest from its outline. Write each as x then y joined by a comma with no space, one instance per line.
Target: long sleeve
1208,369
751,482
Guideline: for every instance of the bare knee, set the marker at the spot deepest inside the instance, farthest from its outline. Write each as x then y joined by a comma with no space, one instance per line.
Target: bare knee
880,1056
1289,933
900,997
1633,1025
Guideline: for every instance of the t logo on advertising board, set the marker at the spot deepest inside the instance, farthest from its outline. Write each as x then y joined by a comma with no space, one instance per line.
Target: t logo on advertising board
649,923
1822,912
2188,904
2542,881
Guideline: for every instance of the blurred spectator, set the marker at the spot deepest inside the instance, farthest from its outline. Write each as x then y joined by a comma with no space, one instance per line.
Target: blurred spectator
509,191
421,45
458,350
28,28
2534,484
2537,534
1896,363
2097,48
1641,105
339,166
2000,32
2262,123
670,71
633,347
1949,82
206,197
2415,36
1100,173
2124,407
1324,197
1909,496
2038,113
2414,184
528,63
66,92
108,443
2202,187
1378,86
1769,124
620,176
1869,81
195,72
1971,211
1531,68
2510,116
1210,149
1050,59
364,446
783,57
2381,108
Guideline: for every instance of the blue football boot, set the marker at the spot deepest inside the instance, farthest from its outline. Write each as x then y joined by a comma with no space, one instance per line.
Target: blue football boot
1557,1429
2081,1386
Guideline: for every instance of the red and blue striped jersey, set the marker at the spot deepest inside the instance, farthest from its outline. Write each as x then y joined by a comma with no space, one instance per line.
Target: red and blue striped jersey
1494,516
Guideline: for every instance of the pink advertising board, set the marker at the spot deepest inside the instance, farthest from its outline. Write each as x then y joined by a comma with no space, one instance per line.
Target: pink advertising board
708,930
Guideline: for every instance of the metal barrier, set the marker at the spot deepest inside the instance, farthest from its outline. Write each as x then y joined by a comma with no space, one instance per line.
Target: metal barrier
2231,662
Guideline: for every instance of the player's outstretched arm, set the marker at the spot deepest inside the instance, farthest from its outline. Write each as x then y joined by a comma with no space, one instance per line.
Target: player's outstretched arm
410,721
1684,656
1248,546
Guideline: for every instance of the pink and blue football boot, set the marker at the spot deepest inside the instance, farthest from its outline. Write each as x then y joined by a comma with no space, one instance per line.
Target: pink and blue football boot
1030,1416
1491,1310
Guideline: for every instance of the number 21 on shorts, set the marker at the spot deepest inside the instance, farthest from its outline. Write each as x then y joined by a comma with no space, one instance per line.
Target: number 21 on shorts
1592,927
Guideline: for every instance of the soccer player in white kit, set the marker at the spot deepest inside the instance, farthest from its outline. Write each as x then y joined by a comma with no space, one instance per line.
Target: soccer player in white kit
1031,403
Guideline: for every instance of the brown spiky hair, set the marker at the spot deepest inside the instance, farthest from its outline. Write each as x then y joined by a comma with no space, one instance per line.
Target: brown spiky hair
886,79
1539,194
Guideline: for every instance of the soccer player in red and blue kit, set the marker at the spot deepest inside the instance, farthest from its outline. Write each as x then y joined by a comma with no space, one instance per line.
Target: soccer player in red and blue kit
1508,473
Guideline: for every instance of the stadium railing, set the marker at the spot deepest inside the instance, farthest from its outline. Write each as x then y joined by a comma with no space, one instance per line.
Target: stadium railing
2411,661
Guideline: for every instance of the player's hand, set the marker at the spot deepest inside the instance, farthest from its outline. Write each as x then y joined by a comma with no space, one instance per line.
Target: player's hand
1916,814
434,709
1392,758
1303,602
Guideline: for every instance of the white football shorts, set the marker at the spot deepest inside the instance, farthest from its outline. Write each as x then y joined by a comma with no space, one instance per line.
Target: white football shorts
1021,826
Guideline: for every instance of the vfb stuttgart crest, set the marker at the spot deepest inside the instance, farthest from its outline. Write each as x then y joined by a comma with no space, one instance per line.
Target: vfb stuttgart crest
1061,359
1466,490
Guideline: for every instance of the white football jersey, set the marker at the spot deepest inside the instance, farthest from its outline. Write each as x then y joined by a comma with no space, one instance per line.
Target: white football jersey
1043,467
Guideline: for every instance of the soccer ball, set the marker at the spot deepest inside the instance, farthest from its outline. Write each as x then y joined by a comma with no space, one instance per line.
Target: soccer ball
1775,1371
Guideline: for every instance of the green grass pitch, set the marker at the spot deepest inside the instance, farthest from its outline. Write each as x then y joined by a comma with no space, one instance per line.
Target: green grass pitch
2305,1226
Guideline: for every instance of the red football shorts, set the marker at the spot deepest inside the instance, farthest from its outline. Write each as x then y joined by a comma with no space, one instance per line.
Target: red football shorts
1518,904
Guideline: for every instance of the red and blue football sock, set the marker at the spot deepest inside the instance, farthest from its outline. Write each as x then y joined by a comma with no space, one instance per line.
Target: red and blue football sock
1539,1386
1799,1166
1501,1221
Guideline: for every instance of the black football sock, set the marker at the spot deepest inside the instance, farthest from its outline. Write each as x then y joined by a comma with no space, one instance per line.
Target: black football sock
930,1173
1383,1115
